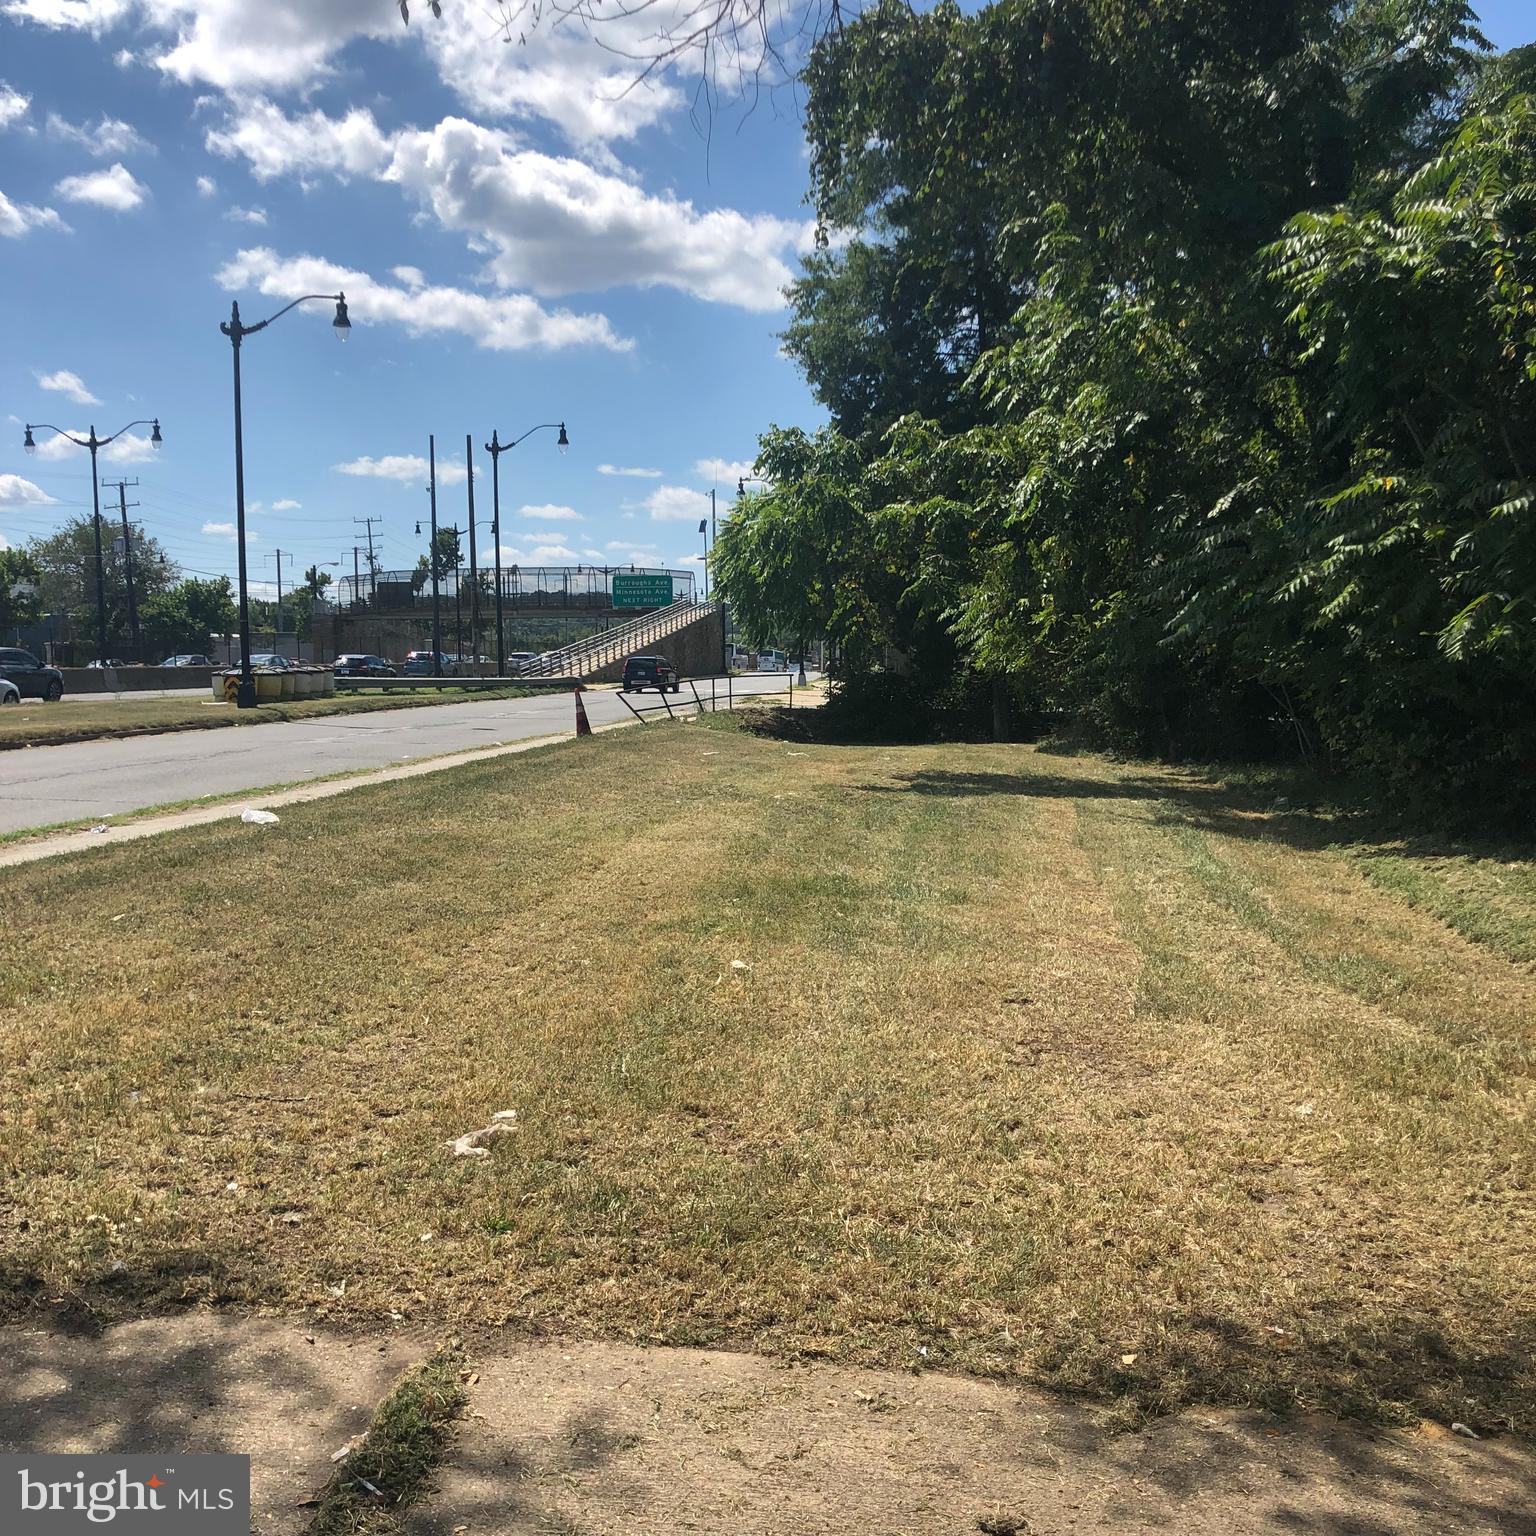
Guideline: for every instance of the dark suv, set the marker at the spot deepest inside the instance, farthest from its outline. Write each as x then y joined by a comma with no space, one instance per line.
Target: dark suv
650,672
32,677
355,665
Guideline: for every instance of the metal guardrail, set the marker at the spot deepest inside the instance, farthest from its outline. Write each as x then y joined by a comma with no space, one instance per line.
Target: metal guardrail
610,645
412,684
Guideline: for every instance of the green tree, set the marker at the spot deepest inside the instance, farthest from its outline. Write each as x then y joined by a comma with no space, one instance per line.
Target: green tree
182,618
19,578
67,575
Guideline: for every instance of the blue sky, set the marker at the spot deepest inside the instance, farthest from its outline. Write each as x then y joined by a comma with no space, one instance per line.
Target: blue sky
522,237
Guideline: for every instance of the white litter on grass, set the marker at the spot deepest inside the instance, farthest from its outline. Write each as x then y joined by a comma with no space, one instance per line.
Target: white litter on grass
1458,1428
1305,1110
258,818
474,1143
100,826
740,965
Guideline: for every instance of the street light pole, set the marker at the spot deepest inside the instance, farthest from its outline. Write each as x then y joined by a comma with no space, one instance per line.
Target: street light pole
245,698
496,448
94,443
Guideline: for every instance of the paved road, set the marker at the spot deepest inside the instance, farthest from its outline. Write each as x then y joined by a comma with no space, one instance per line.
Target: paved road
90,780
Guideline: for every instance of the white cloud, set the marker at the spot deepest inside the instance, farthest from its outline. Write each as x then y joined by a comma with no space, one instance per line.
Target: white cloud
586,89
87,15
17,219
543,553
279,44
246,215
555,68
550,513
722,469
131,448
558,226
66,383
286,505
114,188
508,322
694,559
636,474
646,549
676,504
207,187
17,492
406,468
13,105
220,530
551,224
274,144
592,554
412,277
108,136
125,58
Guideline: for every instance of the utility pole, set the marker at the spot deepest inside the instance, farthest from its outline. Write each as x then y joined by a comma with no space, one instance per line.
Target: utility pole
373,567
458,611
357,580
133,607
277,555
432,559
474,574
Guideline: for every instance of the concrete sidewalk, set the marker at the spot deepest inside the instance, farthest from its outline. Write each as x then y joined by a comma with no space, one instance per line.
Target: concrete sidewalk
589,1438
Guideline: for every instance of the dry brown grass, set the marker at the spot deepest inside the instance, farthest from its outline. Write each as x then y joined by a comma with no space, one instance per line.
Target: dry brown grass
1039,1066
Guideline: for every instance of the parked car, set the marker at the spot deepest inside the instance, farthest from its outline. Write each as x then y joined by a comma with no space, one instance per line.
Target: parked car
103,666
9,692
641,672
33,679
419,664
272,661
357,665
518,660
187,661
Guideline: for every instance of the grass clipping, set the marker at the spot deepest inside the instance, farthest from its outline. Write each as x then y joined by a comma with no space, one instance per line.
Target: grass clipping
392,1467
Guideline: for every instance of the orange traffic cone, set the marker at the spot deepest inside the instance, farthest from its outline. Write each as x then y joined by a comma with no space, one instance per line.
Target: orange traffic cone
583,725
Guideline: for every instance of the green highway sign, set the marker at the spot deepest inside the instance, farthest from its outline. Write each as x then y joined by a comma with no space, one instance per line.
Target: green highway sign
633,591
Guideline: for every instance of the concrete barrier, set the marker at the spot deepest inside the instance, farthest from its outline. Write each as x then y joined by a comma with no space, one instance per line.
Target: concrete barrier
134,679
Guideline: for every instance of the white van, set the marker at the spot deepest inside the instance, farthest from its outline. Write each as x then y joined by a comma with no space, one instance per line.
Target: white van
772,661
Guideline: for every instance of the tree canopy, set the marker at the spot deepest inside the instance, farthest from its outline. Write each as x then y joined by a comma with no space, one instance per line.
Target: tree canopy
1181,366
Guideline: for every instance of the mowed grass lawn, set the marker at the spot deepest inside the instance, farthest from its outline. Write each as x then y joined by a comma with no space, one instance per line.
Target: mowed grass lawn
1032,1065
35,724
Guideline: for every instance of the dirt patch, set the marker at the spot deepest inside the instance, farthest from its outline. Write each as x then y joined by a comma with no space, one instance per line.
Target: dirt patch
280,1392
601,1438
587,1437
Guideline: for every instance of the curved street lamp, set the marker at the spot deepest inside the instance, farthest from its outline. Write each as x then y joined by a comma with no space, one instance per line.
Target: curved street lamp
496,448
237,331
95,443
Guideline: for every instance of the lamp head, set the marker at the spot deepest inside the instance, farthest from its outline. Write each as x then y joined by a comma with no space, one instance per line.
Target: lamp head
27,442
154,435
562,442
342,324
